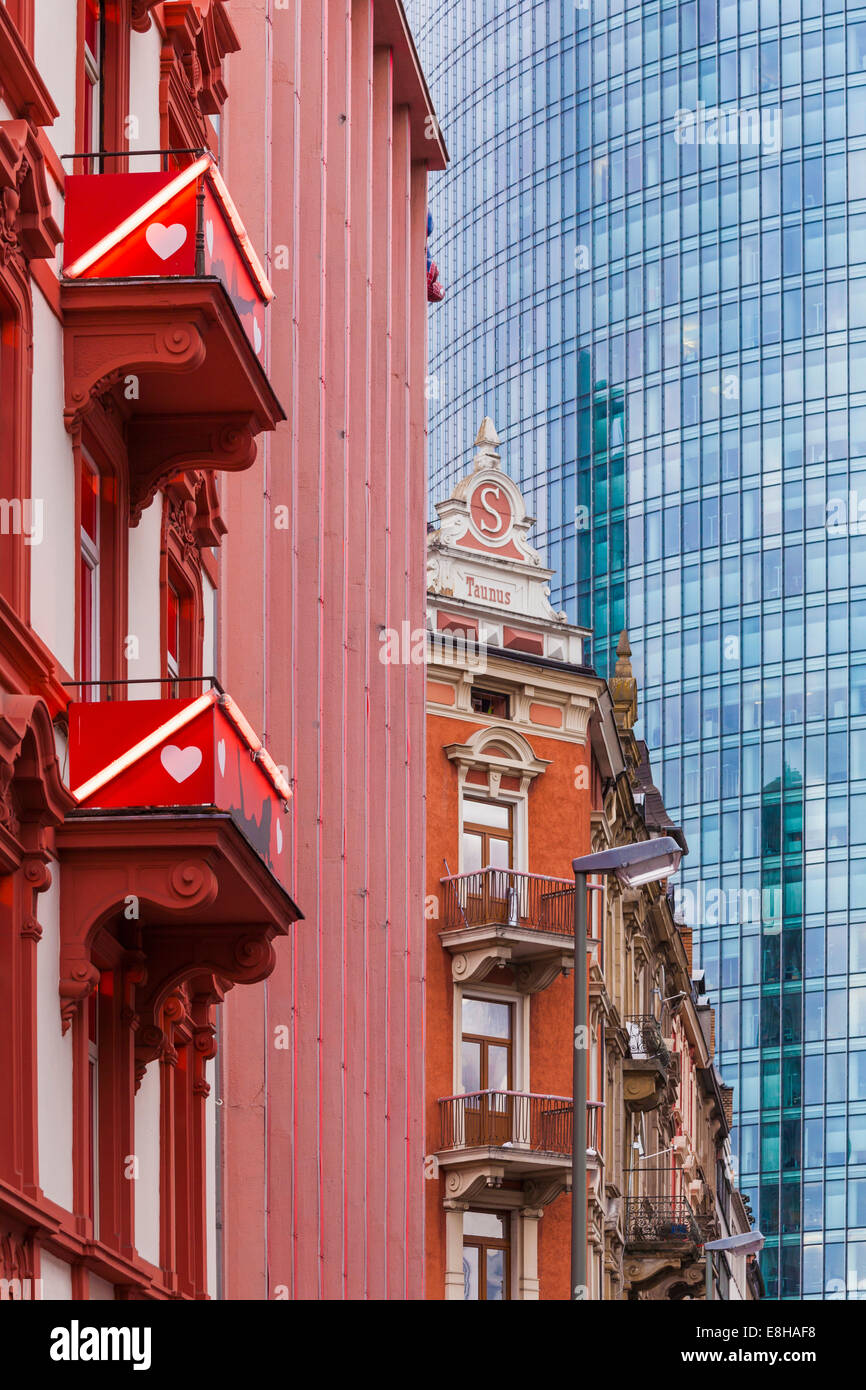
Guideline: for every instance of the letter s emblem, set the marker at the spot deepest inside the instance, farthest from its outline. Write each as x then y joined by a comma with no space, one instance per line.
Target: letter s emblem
499,520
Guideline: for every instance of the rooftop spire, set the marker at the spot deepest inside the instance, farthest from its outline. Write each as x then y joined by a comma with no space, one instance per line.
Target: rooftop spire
623,686
487,442
623,653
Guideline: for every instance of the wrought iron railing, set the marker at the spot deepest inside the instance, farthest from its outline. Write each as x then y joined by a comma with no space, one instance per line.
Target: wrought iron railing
515,1120
494,897
651,1220
645,1039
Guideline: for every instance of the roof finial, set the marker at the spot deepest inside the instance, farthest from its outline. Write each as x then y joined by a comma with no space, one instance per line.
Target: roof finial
487,442
623,652
623,686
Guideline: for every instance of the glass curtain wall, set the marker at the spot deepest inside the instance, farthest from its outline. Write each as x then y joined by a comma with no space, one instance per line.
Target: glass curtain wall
653,234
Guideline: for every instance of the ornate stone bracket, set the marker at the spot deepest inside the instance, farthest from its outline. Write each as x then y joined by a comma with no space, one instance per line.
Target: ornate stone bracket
26,224
102,351
236,955
644,1082
534,975
471,967
185,904
193,512
97,887
540,1192
172,363
197,443
654,1275
33,799
468,1183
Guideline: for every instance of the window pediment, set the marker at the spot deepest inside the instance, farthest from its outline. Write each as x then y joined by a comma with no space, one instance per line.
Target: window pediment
497,754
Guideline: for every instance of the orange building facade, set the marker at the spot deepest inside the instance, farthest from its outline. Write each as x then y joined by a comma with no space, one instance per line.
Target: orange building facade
532,761
509,804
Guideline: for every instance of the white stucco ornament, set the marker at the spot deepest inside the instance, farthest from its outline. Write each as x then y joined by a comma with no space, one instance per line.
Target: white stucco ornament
480,553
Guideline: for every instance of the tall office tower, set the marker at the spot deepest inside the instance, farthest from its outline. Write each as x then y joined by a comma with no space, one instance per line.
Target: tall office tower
653,236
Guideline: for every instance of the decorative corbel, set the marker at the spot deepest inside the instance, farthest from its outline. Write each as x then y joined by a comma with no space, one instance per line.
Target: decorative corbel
471,967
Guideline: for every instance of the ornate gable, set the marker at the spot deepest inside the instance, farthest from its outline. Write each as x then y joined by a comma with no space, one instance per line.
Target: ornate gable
480,553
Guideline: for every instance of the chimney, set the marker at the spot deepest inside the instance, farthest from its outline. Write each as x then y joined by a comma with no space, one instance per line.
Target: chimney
686,934
728,1104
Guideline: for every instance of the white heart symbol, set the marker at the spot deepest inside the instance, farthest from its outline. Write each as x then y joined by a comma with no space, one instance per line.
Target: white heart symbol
165,240
221,756
279,838
180,763
257,336
208,232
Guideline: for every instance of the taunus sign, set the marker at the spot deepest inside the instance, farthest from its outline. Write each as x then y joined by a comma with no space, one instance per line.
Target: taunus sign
176,223
196,754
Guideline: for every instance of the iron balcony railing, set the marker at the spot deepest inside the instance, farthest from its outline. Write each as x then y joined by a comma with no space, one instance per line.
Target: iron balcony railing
645,1039
505,897
515,1120
651,1220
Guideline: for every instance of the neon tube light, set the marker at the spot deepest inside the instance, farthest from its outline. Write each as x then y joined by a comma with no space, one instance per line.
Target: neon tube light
255,745
146,745
241,233
137,218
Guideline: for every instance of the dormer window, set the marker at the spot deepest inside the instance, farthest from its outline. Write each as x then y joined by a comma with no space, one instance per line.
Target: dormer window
491,703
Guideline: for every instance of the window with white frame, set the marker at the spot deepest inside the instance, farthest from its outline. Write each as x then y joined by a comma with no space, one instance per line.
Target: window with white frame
487,835
486,1256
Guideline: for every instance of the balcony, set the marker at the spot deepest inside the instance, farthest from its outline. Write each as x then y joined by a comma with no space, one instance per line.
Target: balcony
175,851
655,1221
164,305
499,917
649,1068
663,1238
487,1137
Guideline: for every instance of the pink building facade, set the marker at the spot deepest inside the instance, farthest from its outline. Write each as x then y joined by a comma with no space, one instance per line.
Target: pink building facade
328,140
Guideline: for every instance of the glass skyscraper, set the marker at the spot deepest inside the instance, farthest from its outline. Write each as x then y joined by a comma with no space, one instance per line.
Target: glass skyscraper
653,234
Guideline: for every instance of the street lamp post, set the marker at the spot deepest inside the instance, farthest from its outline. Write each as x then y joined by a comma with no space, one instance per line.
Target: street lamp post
645,862
579,1089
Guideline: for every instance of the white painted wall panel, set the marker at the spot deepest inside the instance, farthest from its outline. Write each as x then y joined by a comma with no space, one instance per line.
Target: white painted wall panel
144,598
147,1153
56,1277
143,125
54,1056
101,1290
211,1160
209,651
55,50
